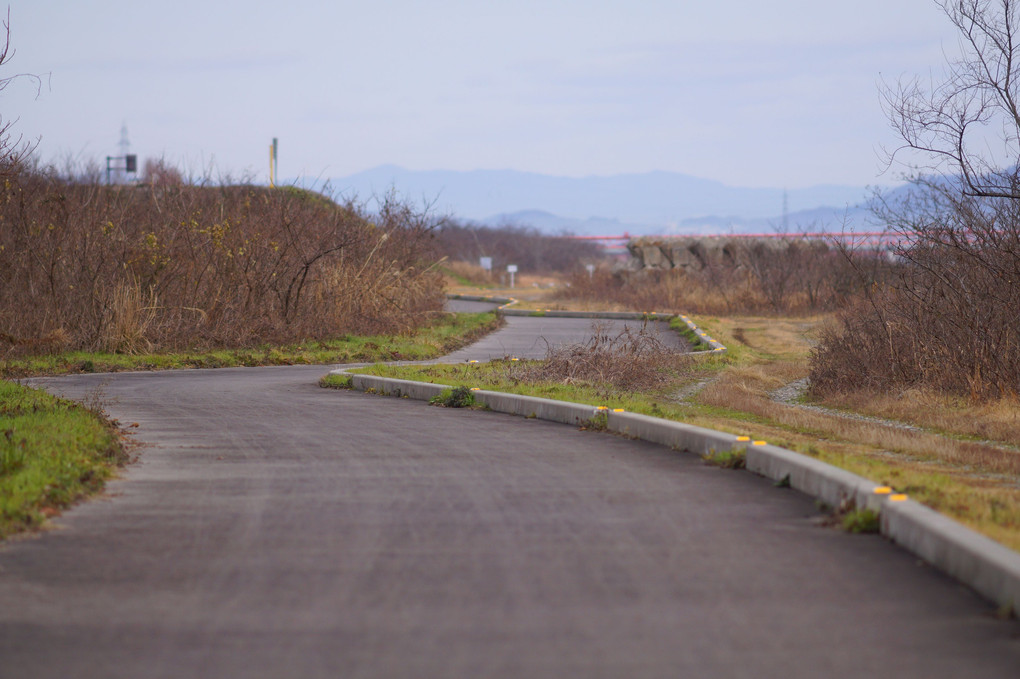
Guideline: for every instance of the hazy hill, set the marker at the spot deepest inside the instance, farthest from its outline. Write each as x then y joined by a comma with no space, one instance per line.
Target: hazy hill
652,202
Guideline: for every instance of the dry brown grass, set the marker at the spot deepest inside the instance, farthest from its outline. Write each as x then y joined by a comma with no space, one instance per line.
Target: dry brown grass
994,420
84,266
465,273
612,362
747,390
974,482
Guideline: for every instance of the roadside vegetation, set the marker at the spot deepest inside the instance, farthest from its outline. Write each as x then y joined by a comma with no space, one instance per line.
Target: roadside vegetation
52,453
443,334
158,267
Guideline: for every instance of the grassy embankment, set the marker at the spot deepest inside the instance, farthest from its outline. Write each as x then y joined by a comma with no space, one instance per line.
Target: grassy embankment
960,459
54,452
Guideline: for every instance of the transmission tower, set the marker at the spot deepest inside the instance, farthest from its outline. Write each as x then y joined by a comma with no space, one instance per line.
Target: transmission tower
125,147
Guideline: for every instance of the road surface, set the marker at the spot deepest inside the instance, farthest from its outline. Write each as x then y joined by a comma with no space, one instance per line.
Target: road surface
275,529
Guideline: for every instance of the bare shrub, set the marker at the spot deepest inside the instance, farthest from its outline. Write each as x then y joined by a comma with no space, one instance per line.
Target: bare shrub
628,360
170,265
949,319
949,322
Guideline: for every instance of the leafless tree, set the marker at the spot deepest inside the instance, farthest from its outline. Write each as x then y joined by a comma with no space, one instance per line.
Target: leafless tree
12,149
950,121
948,319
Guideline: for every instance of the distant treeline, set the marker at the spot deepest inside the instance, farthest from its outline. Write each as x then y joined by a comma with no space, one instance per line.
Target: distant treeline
527,247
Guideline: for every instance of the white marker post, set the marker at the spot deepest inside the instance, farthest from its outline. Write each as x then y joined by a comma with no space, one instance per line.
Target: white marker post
511,269
591,270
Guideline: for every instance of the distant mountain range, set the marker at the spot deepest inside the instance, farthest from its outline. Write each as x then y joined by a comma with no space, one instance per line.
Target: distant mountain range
652,202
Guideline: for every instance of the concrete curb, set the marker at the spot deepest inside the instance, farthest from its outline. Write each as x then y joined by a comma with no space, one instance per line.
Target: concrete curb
975,560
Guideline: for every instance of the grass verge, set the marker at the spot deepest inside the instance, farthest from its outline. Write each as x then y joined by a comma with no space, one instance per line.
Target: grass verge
445,334
52,453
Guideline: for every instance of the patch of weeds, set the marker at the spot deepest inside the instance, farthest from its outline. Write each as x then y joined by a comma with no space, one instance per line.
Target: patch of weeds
456,397
860,521
598,422
783,482
87,366
332,381
12,452
727,459
848,517
537,313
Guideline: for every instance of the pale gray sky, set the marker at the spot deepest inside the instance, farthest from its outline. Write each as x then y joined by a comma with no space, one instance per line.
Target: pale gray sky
751,93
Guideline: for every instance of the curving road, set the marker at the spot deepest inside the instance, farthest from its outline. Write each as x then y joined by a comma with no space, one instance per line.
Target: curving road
271,528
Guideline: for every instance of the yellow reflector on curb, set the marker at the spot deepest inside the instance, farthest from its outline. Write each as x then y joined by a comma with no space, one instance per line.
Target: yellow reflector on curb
602,408
743,438
617,410
475,388
882,490
472,361
759,443
897,498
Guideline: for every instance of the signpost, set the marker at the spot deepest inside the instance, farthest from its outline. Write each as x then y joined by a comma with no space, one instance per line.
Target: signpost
511,269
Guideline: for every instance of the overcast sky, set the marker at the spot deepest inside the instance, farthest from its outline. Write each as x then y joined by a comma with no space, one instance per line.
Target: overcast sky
751,93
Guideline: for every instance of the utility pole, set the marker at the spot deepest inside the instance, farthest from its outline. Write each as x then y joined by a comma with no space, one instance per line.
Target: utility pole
273,162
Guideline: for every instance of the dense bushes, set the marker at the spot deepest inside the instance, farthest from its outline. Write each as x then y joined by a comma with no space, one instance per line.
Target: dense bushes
951,319
169,265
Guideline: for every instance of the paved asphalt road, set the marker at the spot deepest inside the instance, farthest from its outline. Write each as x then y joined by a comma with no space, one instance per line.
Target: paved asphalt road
275,529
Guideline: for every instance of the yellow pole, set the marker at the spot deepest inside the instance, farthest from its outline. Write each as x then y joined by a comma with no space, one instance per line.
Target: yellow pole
271,185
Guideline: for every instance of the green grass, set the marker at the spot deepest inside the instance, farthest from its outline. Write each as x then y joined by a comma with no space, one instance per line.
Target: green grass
727,459
500,375
455,397
860,521
694,339
52,453
449,332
